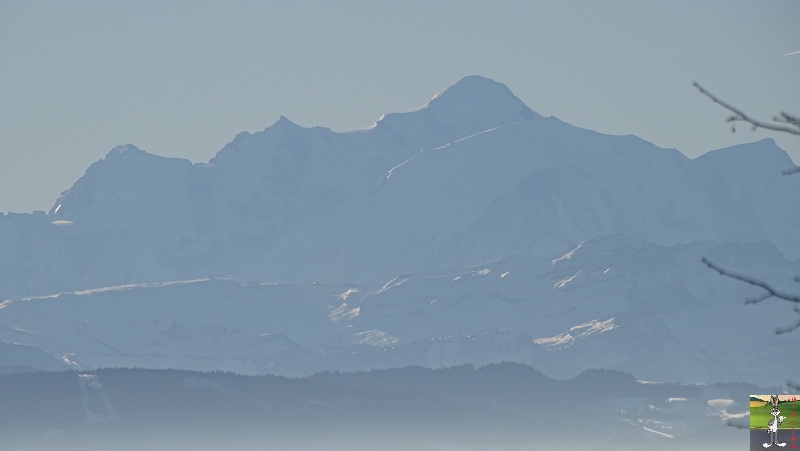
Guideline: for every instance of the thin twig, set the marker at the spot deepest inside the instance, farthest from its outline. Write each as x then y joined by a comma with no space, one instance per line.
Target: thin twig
746,279
788,119
791,327
739,115
770,292
757,299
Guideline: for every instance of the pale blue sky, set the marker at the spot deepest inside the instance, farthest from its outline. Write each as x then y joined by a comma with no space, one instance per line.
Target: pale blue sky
182,78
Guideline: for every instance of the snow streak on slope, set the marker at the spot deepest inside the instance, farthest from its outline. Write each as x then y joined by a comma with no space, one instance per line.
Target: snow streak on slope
657,315
576,333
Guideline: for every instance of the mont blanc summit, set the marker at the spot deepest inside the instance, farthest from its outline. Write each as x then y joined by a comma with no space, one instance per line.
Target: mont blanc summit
473,230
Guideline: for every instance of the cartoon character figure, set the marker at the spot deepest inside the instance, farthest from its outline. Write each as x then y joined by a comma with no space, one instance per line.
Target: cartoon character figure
773,424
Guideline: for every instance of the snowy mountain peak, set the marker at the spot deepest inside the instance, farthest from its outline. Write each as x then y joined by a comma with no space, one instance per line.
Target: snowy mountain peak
119,181
283,122
472,105
249,149
127,149
479,95
763,156
764,150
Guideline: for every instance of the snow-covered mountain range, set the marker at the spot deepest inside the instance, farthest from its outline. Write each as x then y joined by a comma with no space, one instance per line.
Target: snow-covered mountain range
473,230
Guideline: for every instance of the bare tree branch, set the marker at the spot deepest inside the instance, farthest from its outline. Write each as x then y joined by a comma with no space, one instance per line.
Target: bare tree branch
793,127
757,299
738,115
791,327
758,283
770,292
788,119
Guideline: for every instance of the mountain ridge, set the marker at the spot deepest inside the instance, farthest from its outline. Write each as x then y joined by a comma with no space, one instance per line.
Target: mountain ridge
472,233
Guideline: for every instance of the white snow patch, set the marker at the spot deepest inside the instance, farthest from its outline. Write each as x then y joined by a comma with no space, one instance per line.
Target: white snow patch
658,432
347,293
563,282
19,329
567,256
67,358
397,281
722,406
391,171
557,340
376,337
576,332
118,288
92,388
343,313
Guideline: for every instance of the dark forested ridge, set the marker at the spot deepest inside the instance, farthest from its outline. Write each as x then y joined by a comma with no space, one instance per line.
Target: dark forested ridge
506,405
